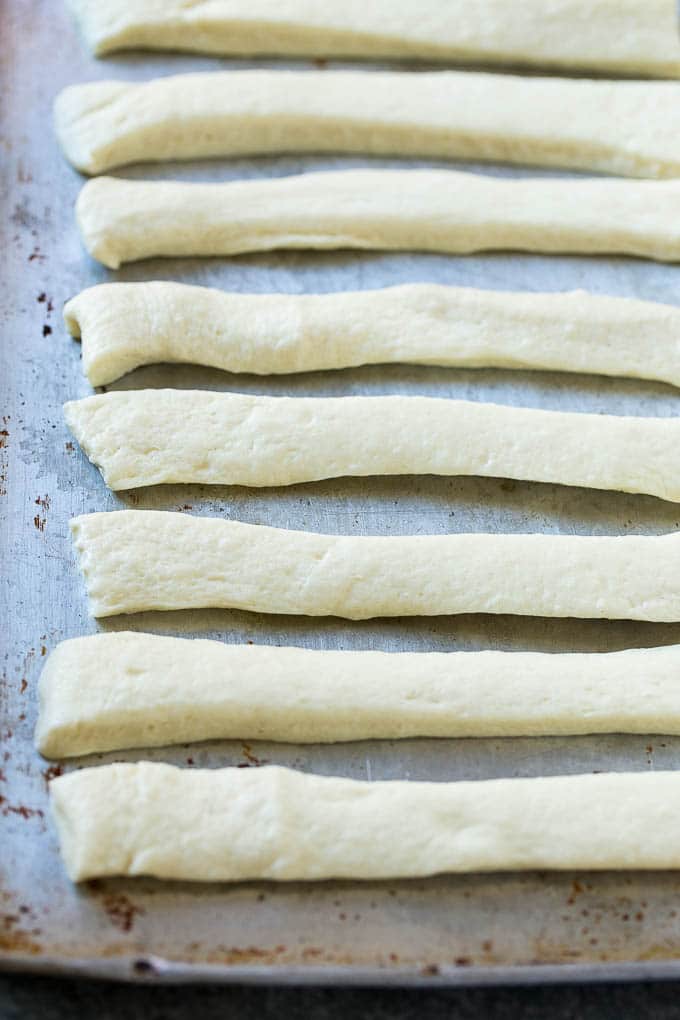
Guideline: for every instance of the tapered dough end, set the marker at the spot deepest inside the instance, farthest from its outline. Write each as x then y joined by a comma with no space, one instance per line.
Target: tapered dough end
71,315
93,206
73,127
94,523
88,819
68,827
79,416
68,129
97,23
109,319
66,658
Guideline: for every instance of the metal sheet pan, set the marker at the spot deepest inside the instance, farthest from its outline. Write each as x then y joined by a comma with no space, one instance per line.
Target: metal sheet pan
450,930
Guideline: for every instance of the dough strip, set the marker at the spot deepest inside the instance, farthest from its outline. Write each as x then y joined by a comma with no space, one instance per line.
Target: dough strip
137,560
630,128
628,37
273,823
418,210
113,691
152,437
125,325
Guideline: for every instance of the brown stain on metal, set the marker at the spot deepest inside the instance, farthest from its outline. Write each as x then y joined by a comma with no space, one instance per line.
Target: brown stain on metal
245,955
69,447
43,299
44,503
430,970
52,772
251,759
659,952
576,890
4,466
23,811
20,942
121,910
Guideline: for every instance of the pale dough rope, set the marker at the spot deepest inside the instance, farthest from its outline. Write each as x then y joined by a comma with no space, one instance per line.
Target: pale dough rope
135,438
157,691
427,210
125,325
628,128
628,36
273,823
136,560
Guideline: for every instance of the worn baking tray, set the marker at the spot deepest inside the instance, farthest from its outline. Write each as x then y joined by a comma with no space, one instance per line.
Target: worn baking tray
447,930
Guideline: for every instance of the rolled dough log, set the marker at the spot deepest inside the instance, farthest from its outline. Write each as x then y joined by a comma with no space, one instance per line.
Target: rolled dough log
135,560
628,36
125,325
152,437
114,691
273,823
630,128
427,210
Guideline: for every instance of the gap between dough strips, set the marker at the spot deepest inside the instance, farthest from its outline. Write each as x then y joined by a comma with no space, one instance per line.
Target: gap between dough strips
126,325
239,439
235,824
136,560
416,210
155,691
630,36
627,128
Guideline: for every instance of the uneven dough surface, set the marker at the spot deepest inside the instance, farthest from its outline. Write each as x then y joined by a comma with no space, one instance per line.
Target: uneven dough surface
629,128
631,36
135,560
125,325
273,823
113,691
420,210
151,437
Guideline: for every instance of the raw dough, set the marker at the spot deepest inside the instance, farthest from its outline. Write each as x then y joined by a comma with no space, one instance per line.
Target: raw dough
113,691
125,325
427,210
135,560
632,36
628,128
237,824
151,437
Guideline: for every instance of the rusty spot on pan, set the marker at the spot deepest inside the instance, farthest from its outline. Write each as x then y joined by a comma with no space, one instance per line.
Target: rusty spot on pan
121,911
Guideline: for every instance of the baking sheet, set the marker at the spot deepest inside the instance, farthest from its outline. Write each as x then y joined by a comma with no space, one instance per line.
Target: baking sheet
450,930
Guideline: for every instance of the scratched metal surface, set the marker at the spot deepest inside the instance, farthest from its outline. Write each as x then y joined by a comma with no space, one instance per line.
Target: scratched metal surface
451,930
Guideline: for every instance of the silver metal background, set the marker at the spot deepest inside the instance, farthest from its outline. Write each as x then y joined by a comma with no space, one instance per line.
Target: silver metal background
453,929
